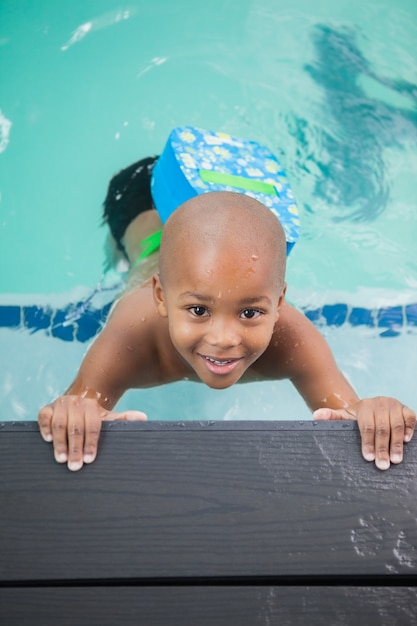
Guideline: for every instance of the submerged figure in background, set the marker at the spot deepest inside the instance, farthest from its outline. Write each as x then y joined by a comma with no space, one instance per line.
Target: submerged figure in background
215,312
131,217
351,158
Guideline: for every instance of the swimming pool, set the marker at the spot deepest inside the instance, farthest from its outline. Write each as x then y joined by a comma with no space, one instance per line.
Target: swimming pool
90,87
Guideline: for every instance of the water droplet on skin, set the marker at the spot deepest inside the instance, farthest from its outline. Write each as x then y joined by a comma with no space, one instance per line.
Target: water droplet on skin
254,257
143,319
87,392
130,348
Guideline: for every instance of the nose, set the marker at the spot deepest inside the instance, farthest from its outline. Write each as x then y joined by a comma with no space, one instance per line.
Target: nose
223,333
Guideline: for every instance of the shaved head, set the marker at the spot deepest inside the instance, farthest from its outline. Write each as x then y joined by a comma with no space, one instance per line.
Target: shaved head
224,220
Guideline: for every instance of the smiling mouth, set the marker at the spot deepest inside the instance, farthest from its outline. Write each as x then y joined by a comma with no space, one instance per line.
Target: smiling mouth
220,366
220,362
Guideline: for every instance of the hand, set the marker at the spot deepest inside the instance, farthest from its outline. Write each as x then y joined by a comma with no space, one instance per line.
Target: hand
73,424
384,423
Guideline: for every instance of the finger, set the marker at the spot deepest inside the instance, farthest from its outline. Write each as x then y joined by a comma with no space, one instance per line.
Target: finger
410,423
382,434
333,414
75,430
44,421
59,431
366,422
92,434
125,416
397,432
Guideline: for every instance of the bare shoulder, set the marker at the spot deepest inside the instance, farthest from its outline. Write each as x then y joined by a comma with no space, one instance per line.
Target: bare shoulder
140,337
127,349
294,345
292,329
133,309
135,325
293,324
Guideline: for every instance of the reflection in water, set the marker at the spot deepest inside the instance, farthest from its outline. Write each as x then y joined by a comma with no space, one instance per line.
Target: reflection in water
5,126
357,127
97,23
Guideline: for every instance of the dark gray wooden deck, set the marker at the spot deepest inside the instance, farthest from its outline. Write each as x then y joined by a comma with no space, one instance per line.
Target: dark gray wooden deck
237,523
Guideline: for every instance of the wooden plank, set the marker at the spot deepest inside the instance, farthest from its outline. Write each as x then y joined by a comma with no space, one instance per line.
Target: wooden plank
280,501
208,606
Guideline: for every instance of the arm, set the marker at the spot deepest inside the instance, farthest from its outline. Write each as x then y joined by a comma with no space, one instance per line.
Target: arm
309,362
120,358
384,423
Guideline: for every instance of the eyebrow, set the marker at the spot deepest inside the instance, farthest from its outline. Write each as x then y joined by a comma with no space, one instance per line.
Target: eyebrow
195,296
208,299
255,300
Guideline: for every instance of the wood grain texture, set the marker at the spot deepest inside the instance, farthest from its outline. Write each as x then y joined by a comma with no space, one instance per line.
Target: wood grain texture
209,606
164,501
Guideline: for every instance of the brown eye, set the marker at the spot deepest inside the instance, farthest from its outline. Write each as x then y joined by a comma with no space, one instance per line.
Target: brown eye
199,311
250,314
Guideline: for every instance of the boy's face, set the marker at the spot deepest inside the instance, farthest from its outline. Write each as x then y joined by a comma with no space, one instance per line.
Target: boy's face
222,305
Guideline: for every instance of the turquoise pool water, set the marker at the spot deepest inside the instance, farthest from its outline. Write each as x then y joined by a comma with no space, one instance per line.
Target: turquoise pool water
87,88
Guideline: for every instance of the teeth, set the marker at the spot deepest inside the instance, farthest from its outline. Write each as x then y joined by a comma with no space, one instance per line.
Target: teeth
218,362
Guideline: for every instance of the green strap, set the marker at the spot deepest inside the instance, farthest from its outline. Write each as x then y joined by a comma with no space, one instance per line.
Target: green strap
230,180
150,244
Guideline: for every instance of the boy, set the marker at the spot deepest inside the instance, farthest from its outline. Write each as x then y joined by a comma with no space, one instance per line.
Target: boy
215,313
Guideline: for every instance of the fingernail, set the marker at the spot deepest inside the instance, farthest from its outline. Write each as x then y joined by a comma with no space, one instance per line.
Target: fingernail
74,466
396,458
47,437
407,437
88,458
382,465
369,456
61,457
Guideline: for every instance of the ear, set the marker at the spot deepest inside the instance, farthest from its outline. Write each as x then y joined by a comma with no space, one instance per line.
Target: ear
281,299
282,296
159,296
